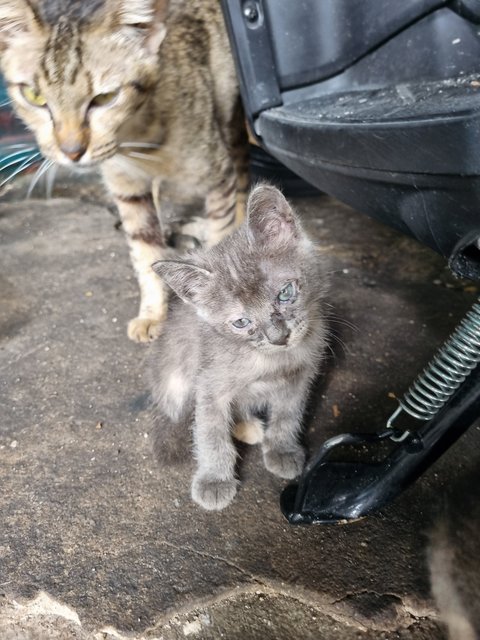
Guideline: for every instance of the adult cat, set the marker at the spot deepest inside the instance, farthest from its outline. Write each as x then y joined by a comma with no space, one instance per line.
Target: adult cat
146,90
244,337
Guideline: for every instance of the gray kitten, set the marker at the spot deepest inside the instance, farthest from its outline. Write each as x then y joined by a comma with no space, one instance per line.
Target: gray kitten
245,336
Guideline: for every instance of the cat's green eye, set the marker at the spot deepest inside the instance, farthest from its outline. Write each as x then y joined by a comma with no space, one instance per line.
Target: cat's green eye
32,96
241,323
104,98
286,293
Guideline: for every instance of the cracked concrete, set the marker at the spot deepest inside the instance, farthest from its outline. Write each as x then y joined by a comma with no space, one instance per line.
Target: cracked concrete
110,545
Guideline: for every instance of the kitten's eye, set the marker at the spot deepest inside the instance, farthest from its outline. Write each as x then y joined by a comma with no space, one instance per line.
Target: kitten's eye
31,96
286,293
104,98
241,323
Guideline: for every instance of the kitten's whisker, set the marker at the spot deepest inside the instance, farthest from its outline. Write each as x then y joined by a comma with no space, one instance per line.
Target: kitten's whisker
341,321
5,103
46,164
334,338
25,165
140,145
329,347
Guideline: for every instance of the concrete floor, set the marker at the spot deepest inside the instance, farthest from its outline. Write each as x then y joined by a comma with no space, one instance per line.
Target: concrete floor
98,542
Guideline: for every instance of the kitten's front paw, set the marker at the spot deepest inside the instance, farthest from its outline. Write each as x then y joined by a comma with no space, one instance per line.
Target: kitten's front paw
213,494
285,464
144,329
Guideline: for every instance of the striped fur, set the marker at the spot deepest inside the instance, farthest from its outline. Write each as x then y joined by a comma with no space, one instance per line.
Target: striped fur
146,90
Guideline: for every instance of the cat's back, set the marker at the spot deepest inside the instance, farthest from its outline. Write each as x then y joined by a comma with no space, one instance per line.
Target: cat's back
197,40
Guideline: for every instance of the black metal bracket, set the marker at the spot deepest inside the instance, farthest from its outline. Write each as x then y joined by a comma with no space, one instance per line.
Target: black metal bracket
337,492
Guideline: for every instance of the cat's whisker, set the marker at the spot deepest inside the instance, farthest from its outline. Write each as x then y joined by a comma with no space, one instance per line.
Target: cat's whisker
50,179
140,145
142,156
46,164
12,163
5,103
16,153
18,145
25,165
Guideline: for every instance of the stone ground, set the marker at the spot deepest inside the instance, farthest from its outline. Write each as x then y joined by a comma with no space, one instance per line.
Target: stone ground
97,542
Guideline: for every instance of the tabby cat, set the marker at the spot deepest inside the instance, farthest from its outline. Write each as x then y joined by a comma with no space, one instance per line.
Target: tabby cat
253,310
146,90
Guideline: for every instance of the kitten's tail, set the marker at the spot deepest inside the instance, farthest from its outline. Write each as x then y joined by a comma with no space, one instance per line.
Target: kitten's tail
172,439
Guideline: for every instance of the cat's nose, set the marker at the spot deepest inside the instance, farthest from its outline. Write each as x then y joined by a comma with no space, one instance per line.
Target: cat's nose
73,150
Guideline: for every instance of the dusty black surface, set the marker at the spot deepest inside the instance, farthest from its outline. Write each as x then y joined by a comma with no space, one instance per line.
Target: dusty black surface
88,518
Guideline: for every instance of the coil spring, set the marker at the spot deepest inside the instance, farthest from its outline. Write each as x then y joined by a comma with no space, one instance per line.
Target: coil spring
450,366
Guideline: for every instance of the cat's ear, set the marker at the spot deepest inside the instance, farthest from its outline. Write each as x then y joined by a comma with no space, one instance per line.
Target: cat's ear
186,279
17,19
270,219
147,16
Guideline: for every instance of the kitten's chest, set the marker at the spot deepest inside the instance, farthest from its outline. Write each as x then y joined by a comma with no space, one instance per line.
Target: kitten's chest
263,375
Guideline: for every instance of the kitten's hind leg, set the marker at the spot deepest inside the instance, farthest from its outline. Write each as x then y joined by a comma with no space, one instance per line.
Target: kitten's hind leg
248,427
147,245
249,431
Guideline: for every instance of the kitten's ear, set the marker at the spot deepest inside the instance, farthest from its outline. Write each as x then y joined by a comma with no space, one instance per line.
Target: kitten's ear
17,18
186,279
270,218
146,15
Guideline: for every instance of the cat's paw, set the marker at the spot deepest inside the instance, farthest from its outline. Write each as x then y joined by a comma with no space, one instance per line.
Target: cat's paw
213,494
285,464
144,329
250,432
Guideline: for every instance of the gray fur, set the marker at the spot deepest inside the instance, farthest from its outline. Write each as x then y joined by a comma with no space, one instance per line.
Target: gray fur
204,369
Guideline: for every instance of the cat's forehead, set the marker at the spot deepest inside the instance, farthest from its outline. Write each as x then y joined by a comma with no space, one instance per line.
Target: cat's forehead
75,50
79,60
61,62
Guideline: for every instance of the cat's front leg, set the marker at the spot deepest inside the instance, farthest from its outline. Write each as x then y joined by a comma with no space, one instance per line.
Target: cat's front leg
214,485
282,453
147,245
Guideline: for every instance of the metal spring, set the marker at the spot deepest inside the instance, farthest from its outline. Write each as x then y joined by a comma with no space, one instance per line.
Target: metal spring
450,366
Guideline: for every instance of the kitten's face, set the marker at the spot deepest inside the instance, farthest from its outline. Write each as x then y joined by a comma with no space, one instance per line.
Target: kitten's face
77,84
261,285
264,301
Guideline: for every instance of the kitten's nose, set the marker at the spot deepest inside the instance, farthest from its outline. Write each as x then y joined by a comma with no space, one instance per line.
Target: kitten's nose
277,331
73,150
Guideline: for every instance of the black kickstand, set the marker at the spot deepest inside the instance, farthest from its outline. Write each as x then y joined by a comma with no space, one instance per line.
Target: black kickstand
338,492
